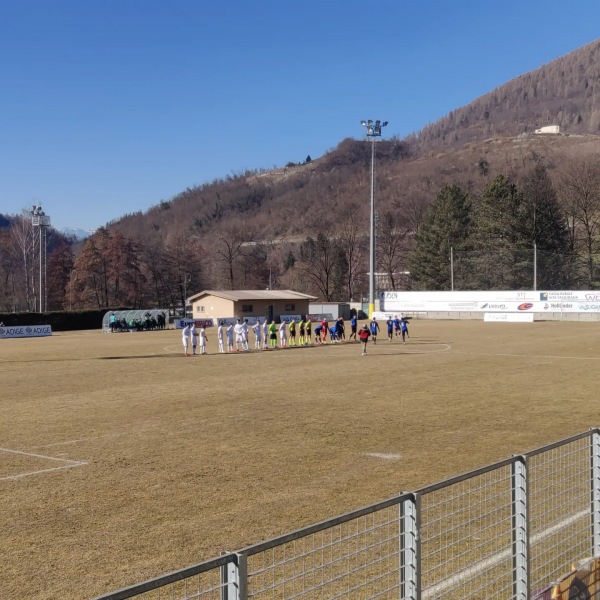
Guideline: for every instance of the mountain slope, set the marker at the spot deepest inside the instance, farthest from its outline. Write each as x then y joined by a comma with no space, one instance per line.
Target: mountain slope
564,92
486,137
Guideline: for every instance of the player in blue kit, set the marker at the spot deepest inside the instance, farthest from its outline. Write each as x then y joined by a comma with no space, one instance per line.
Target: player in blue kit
390,328
353,325
374,328
397,325
404,329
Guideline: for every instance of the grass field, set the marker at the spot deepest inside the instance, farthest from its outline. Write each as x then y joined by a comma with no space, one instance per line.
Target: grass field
120,459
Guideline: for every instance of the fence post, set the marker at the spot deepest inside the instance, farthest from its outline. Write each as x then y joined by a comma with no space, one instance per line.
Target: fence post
595,495
410,548
520,534
234,578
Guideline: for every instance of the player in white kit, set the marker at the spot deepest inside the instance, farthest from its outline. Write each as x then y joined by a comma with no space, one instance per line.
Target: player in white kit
185,339
220,337
203,340
246,335
194,338
257,339
283,334
239,336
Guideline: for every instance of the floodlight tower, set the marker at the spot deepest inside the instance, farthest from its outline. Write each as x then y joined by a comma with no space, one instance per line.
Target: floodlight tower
373,130
41,221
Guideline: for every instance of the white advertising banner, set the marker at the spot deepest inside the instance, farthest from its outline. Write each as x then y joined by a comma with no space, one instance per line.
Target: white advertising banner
24,331
482,301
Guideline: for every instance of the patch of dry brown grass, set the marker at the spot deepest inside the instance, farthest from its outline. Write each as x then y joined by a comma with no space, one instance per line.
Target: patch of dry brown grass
189,457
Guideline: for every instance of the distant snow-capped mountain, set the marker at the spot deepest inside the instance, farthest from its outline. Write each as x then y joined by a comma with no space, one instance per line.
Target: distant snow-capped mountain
78,234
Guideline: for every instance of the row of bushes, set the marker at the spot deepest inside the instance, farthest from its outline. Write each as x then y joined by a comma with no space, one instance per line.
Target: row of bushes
59,321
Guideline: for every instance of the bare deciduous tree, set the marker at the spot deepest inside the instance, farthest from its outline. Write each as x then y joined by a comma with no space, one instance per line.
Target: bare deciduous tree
391,247
351,242
580,191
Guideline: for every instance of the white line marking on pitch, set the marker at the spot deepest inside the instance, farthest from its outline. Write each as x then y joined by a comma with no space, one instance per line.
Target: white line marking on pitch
71,464
97,437
495,559
386,456
530,355
444,348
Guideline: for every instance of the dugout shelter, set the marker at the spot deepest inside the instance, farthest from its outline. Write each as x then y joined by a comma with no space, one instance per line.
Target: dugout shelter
135,320
271,304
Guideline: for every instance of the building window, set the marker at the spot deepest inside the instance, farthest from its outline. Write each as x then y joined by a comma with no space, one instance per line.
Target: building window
246,307
200,309
290,307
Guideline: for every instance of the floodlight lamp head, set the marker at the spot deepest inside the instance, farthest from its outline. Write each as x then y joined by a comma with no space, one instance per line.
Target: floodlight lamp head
384,123
363,123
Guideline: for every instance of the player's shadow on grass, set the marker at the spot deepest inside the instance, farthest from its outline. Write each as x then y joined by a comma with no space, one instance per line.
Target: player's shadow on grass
169,355
407,353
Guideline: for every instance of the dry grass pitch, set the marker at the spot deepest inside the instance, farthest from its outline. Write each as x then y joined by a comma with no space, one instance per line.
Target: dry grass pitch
121,460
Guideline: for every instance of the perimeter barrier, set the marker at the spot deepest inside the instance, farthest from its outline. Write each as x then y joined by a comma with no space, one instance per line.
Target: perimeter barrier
511,530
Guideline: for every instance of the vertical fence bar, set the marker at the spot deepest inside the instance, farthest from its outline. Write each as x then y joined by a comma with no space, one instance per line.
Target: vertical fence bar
595,491
520,542
451,268
410,585
234,576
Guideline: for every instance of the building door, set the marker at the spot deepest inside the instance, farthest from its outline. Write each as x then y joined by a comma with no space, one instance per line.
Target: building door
270,313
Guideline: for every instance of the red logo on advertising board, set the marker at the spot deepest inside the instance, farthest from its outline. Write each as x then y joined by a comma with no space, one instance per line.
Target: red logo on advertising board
525,306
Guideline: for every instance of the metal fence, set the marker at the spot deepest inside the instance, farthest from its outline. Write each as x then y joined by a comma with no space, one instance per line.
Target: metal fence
506,531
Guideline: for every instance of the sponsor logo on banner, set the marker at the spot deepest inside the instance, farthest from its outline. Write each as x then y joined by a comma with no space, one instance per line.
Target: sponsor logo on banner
525,306
558,306
182,323
389,295
570,296
493,306
587,307
26,331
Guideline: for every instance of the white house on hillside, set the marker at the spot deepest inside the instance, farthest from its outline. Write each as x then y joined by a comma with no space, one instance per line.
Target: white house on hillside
548,129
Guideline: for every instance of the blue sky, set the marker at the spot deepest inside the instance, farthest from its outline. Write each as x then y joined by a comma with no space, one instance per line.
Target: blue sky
109,107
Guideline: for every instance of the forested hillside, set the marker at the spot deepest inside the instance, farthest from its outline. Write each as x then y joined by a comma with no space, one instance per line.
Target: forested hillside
564,92
305,226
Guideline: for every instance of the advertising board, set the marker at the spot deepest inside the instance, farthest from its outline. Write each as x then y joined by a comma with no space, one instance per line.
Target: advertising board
25,331
289,318
182,323
482,301
508,317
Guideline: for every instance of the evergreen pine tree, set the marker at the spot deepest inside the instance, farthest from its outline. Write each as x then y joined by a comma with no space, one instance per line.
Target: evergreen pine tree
542,222
499,261
446,225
